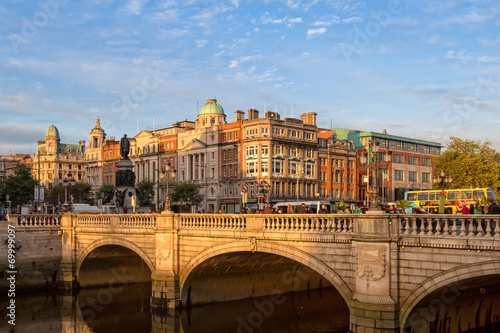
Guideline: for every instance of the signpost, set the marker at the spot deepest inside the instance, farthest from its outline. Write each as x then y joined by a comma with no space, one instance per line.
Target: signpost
244,190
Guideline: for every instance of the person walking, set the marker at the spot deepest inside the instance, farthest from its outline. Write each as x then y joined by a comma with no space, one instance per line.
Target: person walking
289,209
268,209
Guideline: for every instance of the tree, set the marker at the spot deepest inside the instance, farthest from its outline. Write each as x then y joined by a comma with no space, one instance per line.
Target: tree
106,193
146,191
55,195
403,204
21,186
81,191
186,193
470,163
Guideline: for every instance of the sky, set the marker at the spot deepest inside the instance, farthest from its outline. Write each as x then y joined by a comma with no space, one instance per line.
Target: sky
421,69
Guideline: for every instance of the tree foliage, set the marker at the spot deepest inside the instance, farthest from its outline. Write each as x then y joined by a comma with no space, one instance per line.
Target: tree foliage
106,193
20,187
146,189
470,163
186,193
403,204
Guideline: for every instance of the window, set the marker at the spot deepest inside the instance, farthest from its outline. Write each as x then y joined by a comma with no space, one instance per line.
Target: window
398,175
294,152
453,195
413,160
383,192
423,196
251,150
224,155
251,167
278,166
412,176
183,160
426,161
292,167
212,173
426,177
309,169
309,153
398,158
264,150
229,154
235,135
265,130
264,166
213,155
383,174
230,136
278,150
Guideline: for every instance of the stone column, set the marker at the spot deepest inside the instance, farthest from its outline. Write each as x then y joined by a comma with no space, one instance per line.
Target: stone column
165,278
373,307
67,267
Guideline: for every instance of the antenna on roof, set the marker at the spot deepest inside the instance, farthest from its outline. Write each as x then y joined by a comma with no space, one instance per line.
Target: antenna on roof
153,123
276,108
292,110
197,106
137,126
265,107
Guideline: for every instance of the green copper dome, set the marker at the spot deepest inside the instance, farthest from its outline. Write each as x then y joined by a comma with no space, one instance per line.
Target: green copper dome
52,132
211,107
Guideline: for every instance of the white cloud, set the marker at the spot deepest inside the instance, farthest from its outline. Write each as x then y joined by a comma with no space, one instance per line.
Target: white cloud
267,19
173,33
326,23
133,7
201,42
236,62
313,32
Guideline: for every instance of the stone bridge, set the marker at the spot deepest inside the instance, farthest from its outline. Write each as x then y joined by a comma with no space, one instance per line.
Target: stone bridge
382,265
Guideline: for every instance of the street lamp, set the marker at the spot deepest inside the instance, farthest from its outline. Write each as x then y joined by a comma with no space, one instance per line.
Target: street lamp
168,174
373,163
442,180
68,183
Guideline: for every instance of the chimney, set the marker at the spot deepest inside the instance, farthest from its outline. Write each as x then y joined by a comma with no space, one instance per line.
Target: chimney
309,118
384,131
253,114
239,115
272,115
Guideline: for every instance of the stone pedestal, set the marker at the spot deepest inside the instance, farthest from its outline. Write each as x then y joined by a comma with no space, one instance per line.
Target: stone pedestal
124,183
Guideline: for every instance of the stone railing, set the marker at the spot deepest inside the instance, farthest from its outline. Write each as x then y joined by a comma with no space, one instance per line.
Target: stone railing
36,220
102,221
310,223
438,225
213,221
116,220
137,220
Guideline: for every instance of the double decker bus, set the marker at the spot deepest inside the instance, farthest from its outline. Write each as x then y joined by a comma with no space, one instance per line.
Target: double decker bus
429,199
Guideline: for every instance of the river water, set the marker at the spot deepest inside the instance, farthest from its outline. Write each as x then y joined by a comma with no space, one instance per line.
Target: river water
126,309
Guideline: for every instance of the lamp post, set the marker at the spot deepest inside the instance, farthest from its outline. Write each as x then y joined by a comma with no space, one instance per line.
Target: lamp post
374,164
298,171
68,183
168,174
442,180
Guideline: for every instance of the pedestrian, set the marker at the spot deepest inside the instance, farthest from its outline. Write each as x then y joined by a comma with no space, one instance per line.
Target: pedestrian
465,211
125,209
268,209
323,209
289,209
302,209
250,210
243,211
493,208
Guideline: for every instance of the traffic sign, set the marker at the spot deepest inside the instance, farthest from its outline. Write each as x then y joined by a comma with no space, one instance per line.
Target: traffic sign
244,188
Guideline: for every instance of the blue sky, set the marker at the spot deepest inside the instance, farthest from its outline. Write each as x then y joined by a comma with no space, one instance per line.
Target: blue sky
423,69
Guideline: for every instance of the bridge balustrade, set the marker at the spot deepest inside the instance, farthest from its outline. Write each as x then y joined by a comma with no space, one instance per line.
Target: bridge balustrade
102,221
213,221
36,220
304,223
138,221
439,225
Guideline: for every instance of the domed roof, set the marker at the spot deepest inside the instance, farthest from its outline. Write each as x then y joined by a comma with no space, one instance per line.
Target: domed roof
52,132
211,107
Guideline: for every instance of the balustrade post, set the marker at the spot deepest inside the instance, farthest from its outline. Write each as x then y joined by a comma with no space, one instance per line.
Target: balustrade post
488,228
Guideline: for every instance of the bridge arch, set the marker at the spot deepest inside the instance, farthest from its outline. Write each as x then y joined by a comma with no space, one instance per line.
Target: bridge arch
114,241
444,279
275,249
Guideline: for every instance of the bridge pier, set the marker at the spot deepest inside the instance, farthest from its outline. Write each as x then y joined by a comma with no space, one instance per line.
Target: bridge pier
67,268
374,307
373,318
165,292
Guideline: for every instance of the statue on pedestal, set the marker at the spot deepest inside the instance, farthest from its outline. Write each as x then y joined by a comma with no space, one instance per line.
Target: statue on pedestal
124,147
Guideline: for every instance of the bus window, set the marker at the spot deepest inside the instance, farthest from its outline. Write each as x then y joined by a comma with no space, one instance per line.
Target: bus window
423,196
432,196
466,195
453,195
478,194
412,196
491,194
